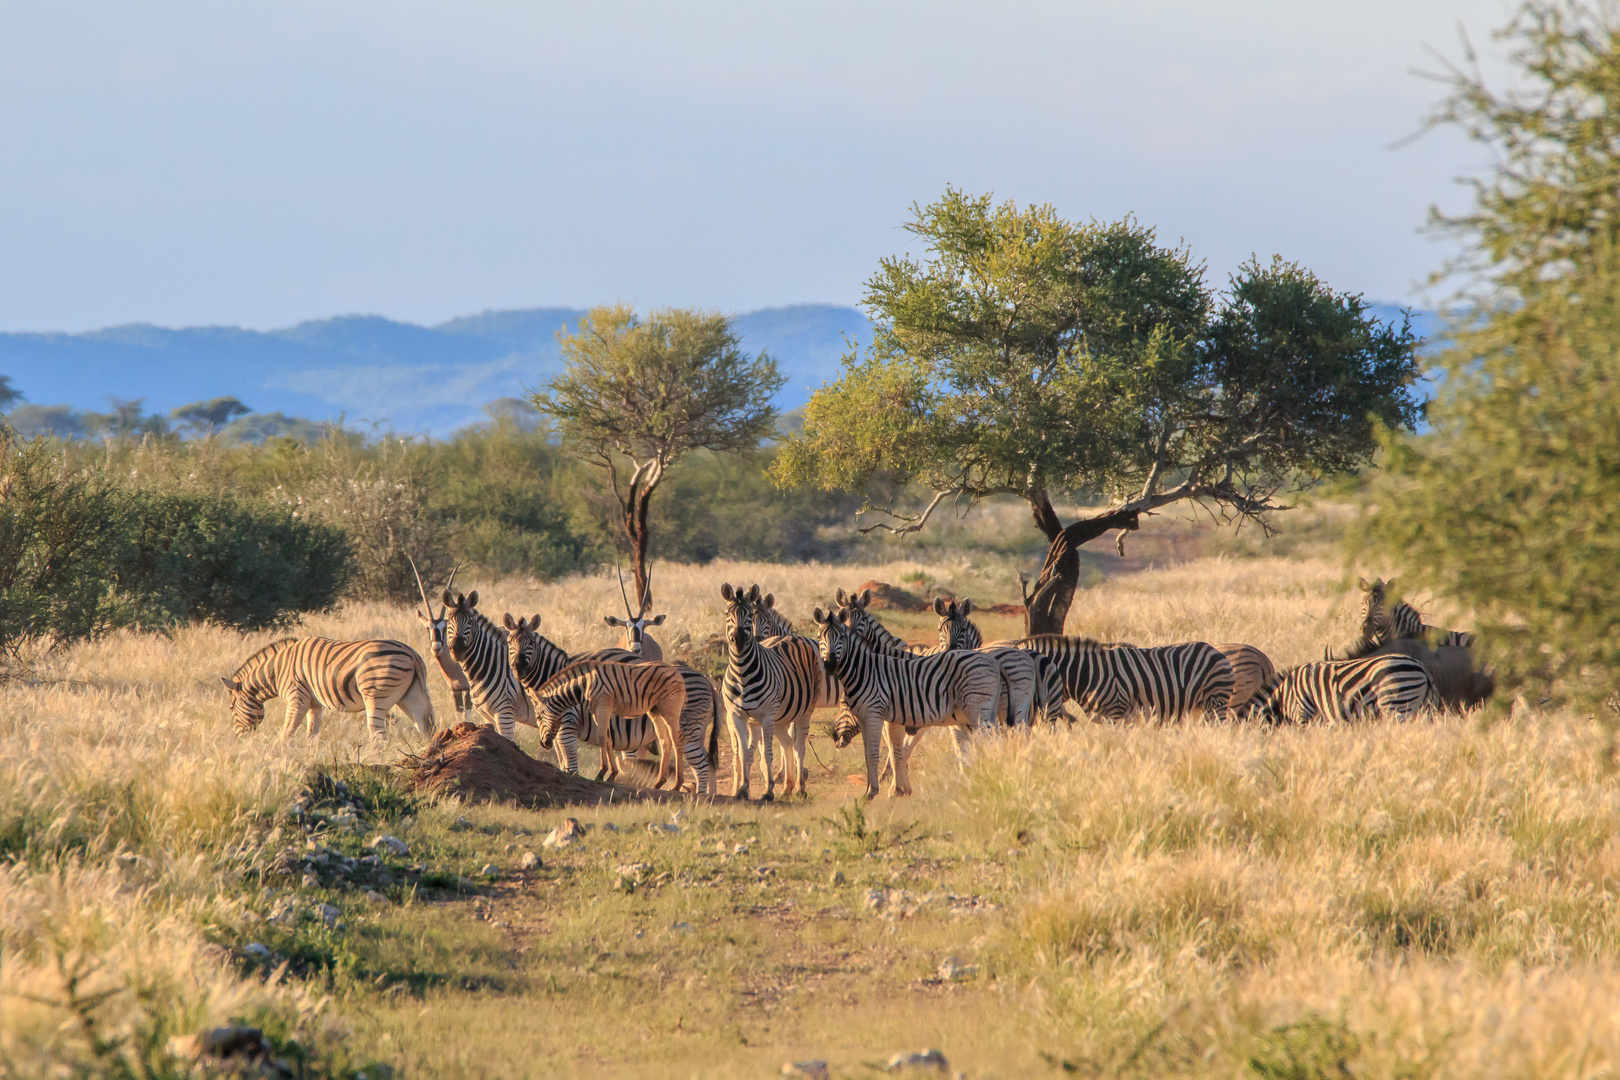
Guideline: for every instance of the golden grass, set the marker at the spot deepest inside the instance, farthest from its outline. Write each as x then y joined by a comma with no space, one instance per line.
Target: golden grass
1434,899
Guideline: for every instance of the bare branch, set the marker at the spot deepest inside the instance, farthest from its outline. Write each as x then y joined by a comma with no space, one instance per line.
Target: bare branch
911,525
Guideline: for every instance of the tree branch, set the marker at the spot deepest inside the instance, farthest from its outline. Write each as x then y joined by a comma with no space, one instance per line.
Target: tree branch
911,525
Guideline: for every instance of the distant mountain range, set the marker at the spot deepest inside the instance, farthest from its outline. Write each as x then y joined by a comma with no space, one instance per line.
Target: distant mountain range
420,379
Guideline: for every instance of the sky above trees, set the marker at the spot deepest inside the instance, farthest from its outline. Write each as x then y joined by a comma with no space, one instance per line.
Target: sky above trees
261,164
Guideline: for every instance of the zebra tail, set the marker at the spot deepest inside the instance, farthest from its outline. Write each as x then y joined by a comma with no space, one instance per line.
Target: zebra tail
714,733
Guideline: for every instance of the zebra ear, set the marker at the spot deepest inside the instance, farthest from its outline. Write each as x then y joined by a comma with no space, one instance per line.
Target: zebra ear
818,615
967,606
1389,587
770,600
753,594
534,623
472,599
939,606
509,622
448,599
842,600
866,598
725,591
231,684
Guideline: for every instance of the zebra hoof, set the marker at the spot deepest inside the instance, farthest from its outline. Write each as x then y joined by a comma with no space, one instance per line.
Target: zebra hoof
768,797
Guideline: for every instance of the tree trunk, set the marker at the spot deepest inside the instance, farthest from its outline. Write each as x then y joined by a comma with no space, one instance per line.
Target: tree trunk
635,529
1046,606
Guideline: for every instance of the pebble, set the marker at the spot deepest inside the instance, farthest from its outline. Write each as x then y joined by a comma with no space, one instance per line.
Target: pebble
953,970
569,832
329,915
391,844
490,870
530,861
926,1059
810,1070
375,897
681,927
311,881
874,899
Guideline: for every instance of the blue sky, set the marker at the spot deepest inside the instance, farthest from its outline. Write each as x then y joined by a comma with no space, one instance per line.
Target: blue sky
259,164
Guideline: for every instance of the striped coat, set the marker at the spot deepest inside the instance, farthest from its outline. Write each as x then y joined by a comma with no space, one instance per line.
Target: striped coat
315,674
1252,672
1119,681
581,701
478,646
958,631
1392,685
775,685
960,689
1380,623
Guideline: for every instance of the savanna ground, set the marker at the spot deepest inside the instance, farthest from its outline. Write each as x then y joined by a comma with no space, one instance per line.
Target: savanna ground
1433,899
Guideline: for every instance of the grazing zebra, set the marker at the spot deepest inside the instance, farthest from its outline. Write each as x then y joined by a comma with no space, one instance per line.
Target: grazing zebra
312,674
960,689
1116,681
1252,673
1380,624
769,683
1391,685
479,647
581,701
460,690
957,631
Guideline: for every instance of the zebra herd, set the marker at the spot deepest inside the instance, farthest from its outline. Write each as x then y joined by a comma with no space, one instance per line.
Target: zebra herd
887,691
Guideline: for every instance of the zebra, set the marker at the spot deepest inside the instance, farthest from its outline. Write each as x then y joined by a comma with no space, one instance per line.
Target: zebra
907,694
1381,624
769,622
769,683
313,674
877,637
1116,681
479,647
1252,674
1392,684
460,690
581,701
958,631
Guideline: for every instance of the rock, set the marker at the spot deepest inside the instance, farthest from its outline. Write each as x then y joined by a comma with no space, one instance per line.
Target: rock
739,849
490,870
375,897
874,899
631,875
953,970
311,881
837,878
811,1070
256,949
926,1059
530,861
658,828
461,824
344,820
680,928
607,826
569,832
330,916
391,844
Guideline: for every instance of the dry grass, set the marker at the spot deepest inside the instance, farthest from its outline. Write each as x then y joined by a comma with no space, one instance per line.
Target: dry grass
1435,899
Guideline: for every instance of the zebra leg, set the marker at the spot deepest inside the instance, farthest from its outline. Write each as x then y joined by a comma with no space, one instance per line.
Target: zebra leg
899,756
298,701
801,743
314,724
767,729
376,720
417,705
506,722
568,750
872,744
742,754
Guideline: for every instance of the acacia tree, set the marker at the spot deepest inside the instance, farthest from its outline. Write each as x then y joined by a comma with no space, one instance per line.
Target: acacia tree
638,394
1031,356
1511,504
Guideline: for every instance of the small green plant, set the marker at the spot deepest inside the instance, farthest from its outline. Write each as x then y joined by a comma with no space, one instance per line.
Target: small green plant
850,824
1314,1048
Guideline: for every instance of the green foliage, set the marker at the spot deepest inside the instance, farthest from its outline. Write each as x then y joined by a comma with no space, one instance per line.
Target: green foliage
1033,356
1314,1048
207,416
1512,505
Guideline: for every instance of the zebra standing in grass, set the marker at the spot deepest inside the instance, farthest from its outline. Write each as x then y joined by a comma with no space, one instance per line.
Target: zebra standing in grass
1392,685
581,701
1117,681
769,683
957,631
1252,674
1381,623
312,674
907,694
479,647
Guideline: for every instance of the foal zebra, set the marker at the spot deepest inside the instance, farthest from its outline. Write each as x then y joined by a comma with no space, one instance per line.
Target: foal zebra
960,689
1392,685
779,681
479,647
582,700
1116,681
1380,624
312,674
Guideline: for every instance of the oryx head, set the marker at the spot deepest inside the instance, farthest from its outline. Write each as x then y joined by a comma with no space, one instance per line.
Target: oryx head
635,623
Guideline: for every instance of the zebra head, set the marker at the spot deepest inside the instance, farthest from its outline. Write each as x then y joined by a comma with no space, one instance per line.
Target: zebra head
955,629
862,623
555,711
845,727
769,622
464,625
1376,624
247,710
836,638
740,628
522,641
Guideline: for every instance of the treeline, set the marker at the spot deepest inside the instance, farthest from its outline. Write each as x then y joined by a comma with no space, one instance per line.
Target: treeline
151,529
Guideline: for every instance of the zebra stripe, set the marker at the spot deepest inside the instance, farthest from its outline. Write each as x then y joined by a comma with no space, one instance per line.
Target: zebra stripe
1252,673
1117,681
583,698
957,689
313,674
768,683
873,633
958,631
1380,623
1391,685
479,647
768,622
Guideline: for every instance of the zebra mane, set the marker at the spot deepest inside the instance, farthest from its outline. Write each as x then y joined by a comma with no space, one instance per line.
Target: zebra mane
259,657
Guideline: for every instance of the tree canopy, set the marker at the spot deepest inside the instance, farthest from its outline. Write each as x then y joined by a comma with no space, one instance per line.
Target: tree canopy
639,394
1033,356
1511,505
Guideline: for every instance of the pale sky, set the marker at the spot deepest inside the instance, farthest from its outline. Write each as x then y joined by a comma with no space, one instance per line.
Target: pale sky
264,163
